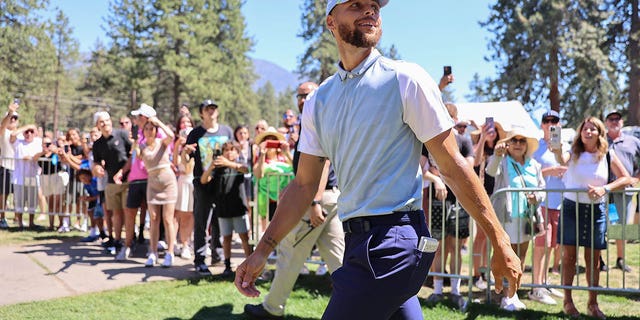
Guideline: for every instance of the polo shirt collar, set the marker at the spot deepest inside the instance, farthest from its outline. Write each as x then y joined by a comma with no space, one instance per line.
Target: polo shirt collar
361,68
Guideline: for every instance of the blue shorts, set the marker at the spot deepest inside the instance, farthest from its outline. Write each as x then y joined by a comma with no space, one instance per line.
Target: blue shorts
591,229
237,224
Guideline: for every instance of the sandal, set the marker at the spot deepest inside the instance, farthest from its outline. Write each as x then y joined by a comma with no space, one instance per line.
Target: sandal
570,309
594,311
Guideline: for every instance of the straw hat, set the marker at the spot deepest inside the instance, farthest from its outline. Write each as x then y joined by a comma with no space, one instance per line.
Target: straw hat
475,134
271,131
532,143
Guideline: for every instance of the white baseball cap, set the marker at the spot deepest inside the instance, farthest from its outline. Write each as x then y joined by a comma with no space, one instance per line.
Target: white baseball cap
332,3
144,110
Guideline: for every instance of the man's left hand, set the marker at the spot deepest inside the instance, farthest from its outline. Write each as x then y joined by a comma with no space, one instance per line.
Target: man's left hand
316,217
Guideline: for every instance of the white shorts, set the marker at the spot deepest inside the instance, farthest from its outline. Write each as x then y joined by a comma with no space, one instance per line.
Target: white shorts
54,184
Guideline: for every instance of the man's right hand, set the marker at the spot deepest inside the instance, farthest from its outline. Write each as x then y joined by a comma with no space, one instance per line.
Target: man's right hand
506,264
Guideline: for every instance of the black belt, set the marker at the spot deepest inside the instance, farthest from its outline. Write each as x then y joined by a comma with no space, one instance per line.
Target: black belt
364,224
330,187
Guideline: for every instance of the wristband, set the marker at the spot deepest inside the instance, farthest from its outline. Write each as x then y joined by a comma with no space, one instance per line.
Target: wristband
315,202
606,189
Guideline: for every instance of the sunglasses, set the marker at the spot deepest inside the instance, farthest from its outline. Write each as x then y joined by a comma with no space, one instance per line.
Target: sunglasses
29,131
461,126
552,120
613,119
47,144
302,95
520,141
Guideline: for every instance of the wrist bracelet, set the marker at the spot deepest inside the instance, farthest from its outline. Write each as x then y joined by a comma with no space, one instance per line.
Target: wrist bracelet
606,189
315,202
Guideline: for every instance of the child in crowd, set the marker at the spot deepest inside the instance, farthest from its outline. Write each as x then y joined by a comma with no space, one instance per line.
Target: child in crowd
231,199
94,207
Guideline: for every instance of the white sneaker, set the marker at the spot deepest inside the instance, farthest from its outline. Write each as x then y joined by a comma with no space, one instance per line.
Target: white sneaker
186,253
555,292
322,270
540,295
168,260
177,250
151,260
162,246
304,270
84,226
480,284
63,229
123,254
512,304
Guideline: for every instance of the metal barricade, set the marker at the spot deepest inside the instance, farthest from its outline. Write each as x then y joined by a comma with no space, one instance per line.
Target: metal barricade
40,186
615,231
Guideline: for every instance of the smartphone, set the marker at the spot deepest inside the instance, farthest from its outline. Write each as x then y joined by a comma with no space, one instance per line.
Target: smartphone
134,132
66,148
273,144
555,140
447,70
489,124
16,101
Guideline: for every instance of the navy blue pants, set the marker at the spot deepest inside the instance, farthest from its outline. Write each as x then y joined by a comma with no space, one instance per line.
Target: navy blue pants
382,269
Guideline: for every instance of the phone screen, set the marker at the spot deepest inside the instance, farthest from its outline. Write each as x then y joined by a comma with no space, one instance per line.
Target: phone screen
488,121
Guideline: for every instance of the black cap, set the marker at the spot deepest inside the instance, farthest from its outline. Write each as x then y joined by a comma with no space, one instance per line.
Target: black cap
551,114
208,102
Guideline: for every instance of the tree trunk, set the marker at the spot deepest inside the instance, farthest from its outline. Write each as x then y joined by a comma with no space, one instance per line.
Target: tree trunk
634,62
554,92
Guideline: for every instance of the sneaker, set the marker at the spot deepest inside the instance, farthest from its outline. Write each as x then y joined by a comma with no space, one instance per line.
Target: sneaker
203,270
555,292
435,298
123,254
460,302
162,245
84,226
177,250
4,224
151,260
186,253
63,229
479,283
322,270
512,304
620,265
257,311
603,265
304,270
540,295
227,272
168,260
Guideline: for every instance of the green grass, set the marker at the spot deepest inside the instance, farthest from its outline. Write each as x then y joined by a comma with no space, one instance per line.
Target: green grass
216,298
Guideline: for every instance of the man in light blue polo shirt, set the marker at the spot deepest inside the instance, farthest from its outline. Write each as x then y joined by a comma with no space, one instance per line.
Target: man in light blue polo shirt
370,120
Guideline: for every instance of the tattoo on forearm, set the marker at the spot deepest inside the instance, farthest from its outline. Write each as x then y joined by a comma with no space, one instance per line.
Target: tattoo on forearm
272,243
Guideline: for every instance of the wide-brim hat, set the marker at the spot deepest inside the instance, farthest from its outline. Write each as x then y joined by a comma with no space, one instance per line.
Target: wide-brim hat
271,131
475,134
532,142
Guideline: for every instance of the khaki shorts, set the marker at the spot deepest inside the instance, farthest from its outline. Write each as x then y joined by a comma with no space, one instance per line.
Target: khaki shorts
116,195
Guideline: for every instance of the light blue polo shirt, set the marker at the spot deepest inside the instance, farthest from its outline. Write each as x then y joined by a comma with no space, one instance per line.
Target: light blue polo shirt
371,123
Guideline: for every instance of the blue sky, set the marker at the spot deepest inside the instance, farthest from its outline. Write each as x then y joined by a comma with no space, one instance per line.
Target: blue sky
430,33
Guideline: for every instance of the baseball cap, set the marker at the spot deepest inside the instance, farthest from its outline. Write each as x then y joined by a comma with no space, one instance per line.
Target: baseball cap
208,102
613,113
332,3
144,110
550,114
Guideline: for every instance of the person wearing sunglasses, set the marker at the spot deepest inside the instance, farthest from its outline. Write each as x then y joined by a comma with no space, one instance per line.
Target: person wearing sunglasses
512,166
24,180
627,148
8,125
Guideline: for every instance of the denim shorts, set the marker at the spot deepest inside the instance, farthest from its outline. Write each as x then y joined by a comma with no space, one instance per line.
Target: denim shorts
591,229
